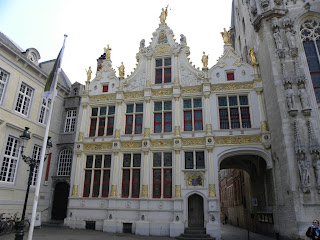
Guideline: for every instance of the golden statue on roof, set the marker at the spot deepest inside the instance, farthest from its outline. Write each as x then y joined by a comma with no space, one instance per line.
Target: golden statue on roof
89,72
252,56
163,15
226,36
107,50
204,60
121,70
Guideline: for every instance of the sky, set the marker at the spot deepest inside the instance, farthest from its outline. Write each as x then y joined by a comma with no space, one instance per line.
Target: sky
91,25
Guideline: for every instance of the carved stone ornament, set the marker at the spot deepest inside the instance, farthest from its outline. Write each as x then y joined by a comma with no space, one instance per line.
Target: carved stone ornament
133,95
113,192
314,146
265,3
291,38
264,126
144,190
102,98
97,146
299,144
304,164
147,132
177,130
80,137
275,23
75,190
193,89
162,49
316,166
290,99
236,140
193,141
304,99
161,143
162,92
232,86
131,144
278,39
212,190
178,190
278,2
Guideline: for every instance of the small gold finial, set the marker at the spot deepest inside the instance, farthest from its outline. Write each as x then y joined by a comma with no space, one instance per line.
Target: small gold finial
163,15
226,36
107,50
204,60
252,56
89,71
121,70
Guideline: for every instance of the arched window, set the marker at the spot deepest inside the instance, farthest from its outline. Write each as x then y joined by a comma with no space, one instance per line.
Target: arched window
65,162
310,35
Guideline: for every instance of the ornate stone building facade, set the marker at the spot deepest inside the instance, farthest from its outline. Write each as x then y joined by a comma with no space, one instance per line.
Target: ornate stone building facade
150,145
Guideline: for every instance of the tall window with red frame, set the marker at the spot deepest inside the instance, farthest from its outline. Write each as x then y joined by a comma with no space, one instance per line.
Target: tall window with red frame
163,70
234,112
97,176
105,88
192,112
162,116
134,118
99,117
310,35
131,175
162,175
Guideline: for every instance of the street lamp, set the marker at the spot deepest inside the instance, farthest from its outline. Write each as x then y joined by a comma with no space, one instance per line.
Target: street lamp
33,163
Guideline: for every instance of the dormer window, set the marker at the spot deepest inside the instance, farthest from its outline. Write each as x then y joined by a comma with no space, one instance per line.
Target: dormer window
230,76
105,88
163,71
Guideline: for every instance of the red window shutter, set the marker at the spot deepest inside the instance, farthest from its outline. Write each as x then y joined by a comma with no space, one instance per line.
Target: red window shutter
230,76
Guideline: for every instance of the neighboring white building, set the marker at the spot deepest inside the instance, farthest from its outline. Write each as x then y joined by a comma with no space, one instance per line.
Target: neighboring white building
150,145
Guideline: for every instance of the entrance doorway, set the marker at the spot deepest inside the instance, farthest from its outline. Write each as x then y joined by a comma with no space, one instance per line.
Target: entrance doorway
195,211
60,201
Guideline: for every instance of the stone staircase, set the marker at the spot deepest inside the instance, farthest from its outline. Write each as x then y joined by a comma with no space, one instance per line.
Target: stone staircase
195,234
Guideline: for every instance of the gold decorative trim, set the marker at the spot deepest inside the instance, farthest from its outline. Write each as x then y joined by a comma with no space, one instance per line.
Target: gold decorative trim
246,139
147,132
232,86
161,143
113,191
116,154
102,98
210,150
193,89
131,144
177,130
144,190
162,49
264,126
78,155
75,190
84,106
131,95
193,141
162,92
208,128
212,190
177,151
117,133
80,137
97,146
178,190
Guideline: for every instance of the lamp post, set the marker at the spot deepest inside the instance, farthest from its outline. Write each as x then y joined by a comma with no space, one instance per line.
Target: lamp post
33,163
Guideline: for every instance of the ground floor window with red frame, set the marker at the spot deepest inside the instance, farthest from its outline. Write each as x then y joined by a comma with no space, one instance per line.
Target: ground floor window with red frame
162,175
131,175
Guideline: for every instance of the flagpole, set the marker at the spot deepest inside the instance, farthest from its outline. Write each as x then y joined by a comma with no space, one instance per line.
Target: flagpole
43,151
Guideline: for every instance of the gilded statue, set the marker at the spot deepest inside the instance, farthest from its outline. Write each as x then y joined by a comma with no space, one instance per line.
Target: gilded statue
163,15
226,36
121,70
107,50
252,56
204,60
89,72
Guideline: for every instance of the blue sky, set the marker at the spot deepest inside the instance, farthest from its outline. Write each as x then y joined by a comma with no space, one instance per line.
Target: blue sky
91,25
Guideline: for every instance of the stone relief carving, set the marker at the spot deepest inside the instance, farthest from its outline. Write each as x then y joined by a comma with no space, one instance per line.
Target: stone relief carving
138,82
142,43
304,99
290,34
277,39
316,165
265,3
299,145
303,164
314,146
183,40
290,99
187,78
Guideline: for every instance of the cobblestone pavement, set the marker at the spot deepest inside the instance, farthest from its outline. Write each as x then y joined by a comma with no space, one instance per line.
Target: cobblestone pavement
61,233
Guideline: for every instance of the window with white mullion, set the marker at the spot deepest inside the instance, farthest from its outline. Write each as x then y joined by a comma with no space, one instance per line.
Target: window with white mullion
131,170
70,121
36,155
10,160
3,83
162,175
194,160
65,162
134,118
162,116
163,70
24,99
192,113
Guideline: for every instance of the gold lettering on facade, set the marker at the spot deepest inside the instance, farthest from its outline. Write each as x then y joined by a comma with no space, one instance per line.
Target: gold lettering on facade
131,144
247,139
102,98
97,146
178,190
193,89
232,86
193,141
161,143
212,190
162,49
144,190
132,95
162,92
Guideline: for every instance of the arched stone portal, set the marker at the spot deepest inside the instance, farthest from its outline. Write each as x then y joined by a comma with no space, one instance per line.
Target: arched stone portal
195,211
60,201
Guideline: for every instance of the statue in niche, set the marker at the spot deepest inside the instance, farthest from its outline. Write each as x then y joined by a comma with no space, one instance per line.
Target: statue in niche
290,98
142,43
107,51
290,38
163,15
226,36
277,38
252,56
316,166
121,70
304,171
183,39
204,60
89,72
304,98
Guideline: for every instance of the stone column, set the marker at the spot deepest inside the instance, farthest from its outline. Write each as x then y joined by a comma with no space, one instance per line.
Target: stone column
145,179
115,175
176,68
211,183
84,127
178,174
76,180
147,119
177,129
207,108
118,120
148,84
263,122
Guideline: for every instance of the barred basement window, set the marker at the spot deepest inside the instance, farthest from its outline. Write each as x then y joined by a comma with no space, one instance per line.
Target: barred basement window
65,162
163,70
10,159
24,99
194,160
43,118
162,175
36,155
162,116
97,176
101,115
310,35
3,83
192,112
131,175
134,118
234,112
70,121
